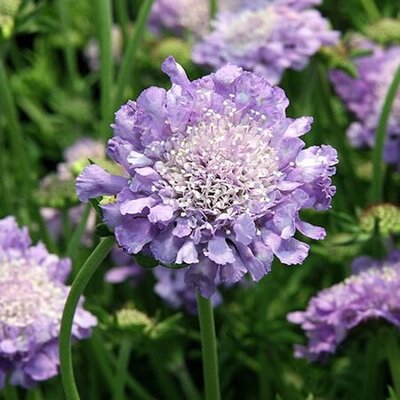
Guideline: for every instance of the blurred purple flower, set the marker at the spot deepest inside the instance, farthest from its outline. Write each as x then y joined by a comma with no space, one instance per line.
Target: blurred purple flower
372,292
266,37
76,157
172,288
126,268
217,177
365,95
32,297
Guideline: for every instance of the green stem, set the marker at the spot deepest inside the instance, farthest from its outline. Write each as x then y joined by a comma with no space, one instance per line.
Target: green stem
73,245
131,51
10,392
164,380
106,62
213,8
106,363
393,356
18,146
371,9
187,384
122,16
377,156
69,51
77,288
209,348
121,369
43,230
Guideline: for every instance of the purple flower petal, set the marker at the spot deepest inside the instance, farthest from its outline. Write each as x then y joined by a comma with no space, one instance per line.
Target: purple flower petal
94,182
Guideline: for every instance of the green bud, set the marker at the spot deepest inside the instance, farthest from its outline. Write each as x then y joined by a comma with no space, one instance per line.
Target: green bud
56,193
8,11
386,31
132,319
385,216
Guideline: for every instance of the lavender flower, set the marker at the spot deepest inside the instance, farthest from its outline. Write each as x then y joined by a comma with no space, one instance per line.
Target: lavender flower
266,37
372,292
217,177
365,95
32,297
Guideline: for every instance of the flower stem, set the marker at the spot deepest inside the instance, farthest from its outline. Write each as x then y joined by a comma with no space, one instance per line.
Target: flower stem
107,364
377,156
23,170
77,288
164,380
209,348
393,356
73,244
213,8
371,9
106,61
121,369
10,392
69,51
131,51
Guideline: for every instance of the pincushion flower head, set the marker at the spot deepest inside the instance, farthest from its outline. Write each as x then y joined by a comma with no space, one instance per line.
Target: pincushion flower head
372,292
365,95
32,297
266,37
216,177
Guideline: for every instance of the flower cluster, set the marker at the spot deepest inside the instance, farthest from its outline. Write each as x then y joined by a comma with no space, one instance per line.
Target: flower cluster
372,292
365,95
217,177
266,37
32,297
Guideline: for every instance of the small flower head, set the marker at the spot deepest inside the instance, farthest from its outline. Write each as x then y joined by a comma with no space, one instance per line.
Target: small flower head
372,293
217,175
266,37
365,96
32,298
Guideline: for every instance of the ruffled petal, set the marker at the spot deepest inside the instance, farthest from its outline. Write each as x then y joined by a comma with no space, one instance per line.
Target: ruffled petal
289,251
201,276
245,229
311,231
161,213
133,234
187,254
94,181
219,251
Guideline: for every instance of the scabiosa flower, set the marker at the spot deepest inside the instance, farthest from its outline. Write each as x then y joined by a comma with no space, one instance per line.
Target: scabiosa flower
372,292
365,95
32,298
266,37
217,177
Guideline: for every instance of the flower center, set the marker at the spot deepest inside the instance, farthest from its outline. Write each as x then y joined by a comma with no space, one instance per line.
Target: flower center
27,293
222,164
249,28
